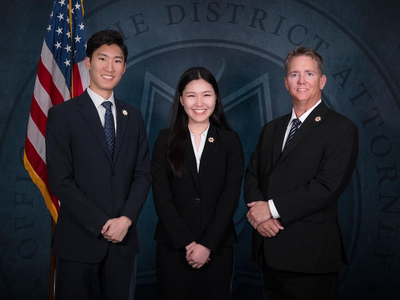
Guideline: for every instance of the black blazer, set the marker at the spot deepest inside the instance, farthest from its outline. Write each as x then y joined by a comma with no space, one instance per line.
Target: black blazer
199,206
91,187
305,182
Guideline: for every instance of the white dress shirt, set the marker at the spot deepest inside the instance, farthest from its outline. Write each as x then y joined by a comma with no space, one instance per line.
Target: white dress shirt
199,152
97,101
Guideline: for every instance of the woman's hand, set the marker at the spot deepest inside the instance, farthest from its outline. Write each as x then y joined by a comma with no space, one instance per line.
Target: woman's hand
197,255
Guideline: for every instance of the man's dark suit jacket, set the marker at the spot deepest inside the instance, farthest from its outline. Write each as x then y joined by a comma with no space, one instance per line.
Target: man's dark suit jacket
305,182
91,187
199,206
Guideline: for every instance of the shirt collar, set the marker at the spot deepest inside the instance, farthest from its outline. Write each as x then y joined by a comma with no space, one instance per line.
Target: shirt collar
304,116
203,135
98,100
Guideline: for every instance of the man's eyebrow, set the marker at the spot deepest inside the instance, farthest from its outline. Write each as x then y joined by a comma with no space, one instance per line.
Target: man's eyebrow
296,71
103,54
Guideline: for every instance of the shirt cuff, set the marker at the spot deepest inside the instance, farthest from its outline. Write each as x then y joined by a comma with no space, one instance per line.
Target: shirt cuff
273,209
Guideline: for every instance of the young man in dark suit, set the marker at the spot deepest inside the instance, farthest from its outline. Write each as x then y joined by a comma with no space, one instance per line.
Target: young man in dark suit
301,165
99,169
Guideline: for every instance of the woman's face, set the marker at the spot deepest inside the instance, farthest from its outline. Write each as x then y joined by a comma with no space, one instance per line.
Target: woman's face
198,99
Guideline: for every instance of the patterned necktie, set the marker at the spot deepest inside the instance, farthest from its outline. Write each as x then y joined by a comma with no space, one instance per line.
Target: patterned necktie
109,127
295,125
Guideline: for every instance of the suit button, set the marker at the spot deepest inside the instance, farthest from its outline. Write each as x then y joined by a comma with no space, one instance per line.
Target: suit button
197,200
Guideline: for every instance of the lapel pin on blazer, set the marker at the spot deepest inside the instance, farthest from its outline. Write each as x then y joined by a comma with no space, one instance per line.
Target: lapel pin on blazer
124,112
211,139
317,119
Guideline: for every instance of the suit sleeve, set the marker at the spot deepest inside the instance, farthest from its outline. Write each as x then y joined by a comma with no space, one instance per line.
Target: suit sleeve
252,191
334,173
229,198
141,178
60,172
168,214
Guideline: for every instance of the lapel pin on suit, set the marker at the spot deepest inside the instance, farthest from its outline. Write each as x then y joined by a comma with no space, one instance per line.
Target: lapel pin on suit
211,139
317,119
125,113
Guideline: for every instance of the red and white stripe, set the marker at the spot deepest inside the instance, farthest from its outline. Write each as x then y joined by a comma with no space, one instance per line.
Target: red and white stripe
50,89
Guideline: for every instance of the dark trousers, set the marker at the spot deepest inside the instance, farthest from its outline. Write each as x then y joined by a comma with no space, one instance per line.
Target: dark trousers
283,285
113,278
176,280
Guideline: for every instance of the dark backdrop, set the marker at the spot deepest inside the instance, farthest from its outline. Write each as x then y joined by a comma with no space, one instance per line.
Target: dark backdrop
244,44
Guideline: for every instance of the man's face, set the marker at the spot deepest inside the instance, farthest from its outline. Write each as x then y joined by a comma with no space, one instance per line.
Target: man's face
304,82
106,69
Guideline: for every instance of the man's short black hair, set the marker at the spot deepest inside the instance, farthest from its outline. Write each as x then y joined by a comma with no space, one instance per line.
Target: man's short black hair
106,37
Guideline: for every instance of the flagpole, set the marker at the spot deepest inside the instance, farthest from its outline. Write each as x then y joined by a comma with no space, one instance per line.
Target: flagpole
56,82
52,277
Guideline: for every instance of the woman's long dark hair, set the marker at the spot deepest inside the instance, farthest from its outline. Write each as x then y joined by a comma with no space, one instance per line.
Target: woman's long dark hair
178,132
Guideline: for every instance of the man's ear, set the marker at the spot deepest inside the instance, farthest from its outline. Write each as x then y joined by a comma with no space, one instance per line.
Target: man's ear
322,82
87,62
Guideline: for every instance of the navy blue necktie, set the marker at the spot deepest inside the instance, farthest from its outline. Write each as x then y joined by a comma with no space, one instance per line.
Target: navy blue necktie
109,127
295,125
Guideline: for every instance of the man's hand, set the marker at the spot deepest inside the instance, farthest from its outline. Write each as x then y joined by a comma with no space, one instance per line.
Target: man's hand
258,213
197,255
269,228
115,229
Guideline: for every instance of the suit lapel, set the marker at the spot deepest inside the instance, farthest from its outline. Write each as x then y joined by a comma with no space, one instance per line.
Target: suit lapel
191,162
279,135
316,117
122,121
209,146
91,115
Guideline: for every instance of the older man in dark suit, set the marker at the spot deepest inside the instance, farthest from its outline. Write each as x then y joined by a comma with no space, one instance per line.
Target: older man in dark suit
98,165
301,165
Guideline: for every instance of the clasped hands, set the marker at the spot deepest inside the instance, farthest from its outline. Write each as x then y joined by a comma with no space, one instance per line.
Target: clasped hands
197,255
260,217
116,229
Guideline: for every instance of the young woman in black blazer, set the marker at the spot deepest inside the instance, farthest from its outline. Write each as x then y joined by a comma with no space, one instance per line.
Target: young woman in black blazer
197,169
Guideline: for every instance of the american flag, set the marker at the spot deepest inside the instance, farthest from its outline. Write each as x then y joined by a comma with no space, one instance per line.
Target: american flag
61,75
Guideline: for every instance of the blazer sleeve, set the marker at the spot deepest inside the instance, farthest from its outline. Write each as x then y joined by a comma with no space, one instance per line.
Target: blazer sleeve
229,197
334,173
167,211
141,182
61,175
252,190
